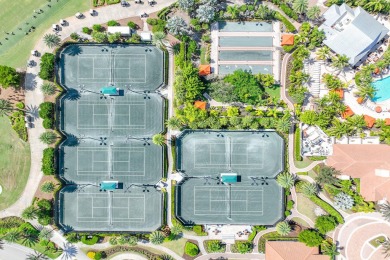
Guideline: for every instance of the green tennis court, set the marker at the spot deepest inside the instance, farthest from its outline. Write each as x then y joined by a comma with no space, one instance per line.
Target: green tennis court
109,114
124,66
229,177
246,55
86,208
245,41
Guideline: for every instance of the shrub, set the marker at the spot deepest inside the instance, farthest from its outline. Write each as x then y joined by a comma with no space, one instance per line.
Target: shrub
289,26
89,240
46,110
328,208
44,220
287,213
112,23
48,167
20,105
44,204
290,205
47,66
86,30
132,25
310,237
48,137
151,21
48,187
243,247
91,255
48,123
213,246
252,235
48,88
297,145
97,28
9,77
325,223
198,230
191,249
135,38
288,11
74,36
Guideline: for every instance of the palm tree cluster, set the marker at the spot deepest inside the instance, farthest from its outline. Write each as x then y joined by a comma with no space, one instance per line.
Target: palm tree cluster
51,40
286,180
327,176
283,228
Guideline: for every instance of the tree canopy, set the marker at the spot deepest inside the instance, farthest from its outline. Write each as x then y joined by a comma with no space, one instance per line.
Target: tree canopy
310,237
9,77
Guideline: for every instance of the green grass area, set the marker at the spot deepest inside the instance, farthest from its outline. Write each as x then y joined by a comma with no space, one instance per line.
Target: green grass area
302,164
203,55
300,222
273,91
19,14
377,241
297,145
176,246
306,206
15,164
43,249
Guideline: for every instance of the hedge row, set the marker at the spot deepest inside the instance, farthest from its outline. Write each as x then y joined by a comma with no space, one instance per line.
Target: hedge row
48,167
47,66
328,208
46,112
288,11
297,145
289,26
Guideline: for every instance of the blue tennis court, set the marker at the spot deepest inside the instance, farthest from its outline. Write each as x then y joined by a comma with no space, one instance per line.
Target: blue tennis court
245,41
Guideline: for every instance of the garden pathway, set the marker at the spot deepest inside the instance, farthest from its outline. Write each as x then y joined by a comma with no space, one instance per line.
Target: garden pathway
34,95
257,239
295,213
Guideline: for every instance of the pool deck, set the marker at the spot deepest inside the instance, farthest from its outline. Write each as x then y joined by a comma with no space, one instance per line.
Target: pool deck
215,48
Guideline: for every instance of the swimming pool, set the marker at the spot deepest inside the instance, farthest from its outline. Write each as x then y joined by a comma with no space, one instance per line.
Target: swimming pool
244,27
382,88
245,41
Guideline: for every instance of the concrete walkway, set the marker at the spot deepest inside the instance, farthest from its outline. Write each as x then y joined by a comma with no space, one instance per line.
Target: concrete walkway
34,95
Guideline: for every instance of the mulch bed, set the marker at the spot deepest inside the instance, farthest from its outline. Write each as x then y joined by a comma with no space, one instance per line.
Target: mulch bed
42,195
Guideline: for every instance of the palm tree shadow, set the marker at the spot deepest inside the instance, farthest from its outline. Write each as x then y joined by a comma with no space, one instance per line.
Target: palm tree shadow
30,81
73,50
69,251
33,111
72,94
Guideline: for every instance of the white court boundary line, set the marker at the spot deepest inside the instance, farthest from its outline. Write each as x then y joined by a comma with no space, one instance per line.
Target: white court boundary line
238,189
104,196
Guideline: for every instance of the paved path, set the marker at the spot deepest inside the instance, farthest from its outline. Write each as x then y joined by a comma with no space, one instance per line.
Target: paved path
257,238
353,236
295,213
34,95
15,252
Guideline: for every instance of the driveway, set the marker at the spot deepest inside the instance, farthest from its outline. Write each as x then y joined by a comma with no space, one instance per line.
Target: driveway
354,236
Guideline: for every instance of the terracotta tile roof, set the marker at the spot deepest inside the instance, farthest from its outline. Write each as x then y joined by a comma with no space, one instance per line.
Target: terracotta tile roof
204,70
201,105
361,161
287,39
347,113
291,250
370,121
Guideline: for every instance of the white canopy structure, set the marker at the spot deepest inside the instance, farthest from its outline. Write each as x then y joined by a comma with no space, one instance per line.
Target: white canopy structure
123,30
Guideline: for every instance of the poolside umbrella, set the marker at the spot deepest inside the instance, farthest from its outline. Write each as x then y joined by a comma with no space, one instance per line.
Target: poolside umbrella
387,121
378,109
360,100
377,70
370,121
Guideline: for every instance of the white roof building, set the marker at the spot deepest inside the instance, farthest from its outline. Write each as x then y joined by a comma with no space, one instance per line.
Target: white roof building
123,30
352,32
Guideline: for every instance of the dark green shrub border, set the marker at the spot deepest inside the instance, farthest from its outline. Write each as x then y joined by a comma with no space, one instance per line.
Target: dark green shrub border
297,145
89,241
191,249
289,26
48,165
47,66
328,208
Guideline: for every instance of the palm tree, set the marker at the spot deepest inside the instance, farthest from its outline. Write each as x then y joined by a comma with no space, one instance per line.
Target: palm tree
386,248
12,235
158,139
176,229
283,228
173,123
323,53
5,107
29,238
48,137
69,251
300,6
338,129
156,237
326,176
45,234
36,256
366,91
51,40
356,122
158,38
29,213
314,12
48,89
283,125
48,187
330,249
375,5
286,180
339,62
309,189
274,112
233,11
384,208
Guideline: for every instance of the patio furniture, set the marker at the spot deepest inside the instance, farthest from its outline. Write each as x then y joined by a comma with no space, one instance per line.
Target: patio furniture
124,3
55,27
138,2
34,53
62,22
79,15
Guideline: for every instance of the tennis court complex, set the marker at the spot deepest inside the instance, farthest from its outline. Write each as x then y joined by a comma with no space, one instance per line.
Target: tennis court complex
109,114
229,177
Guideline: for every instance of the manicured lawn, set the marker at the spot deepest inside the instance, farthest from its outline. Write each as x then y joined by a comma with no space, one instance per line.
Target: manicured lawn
14,164
302,164
16,14
176,246
273,91
203,60
306,206
377,241
300,222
